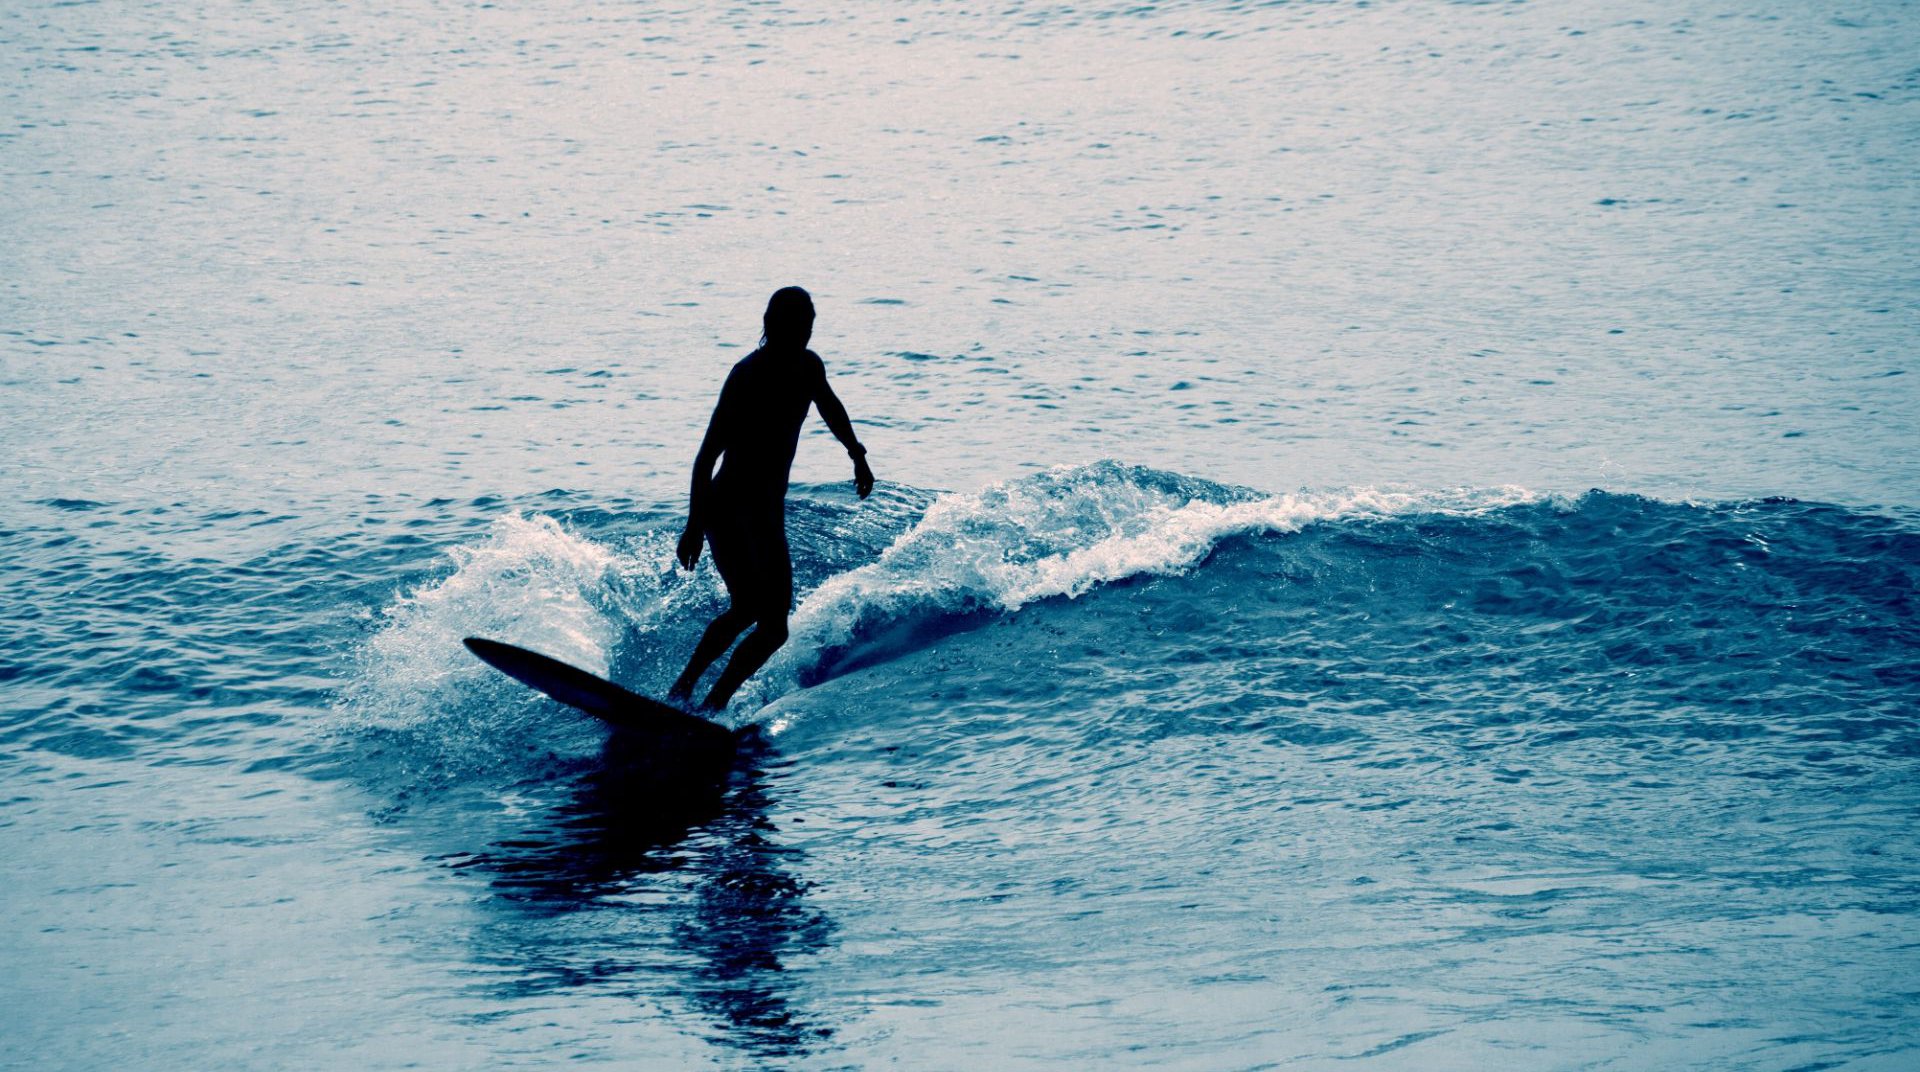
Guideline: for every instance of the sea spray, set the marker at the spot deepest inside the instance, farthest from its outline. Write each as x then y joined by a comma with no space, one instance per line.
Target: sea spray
928,568
529,582
1058,533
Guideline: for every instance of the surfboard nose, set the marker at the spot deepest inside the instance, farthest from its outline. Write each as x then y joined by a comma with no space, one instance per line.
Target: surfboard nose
619,707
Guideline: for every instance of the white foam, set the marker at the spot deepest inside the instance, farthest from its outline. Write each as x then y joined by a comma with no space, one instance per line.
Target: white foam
1059,533
1067,531
529,582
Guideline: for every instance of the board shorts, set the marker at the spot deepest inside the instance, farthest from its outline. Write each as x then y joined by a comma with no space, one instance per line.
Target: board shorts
749,544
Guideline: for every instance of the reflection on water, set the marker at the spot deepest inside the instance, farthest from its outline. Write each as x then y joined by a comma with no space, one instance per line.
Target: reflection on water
664,886
749,916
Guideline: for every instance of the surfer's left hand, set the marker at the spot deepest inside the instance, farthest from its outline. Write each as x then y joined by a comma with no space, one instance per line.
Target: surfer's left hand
862,477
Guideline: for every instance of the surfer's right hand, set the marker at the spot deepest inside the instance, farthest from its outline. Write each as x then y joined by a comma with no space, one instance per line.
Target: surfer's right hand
689,553
862,477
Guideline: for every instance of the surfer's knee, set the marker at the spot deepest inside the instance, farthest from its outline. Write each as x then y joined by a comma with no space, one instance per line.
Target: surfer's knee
773,627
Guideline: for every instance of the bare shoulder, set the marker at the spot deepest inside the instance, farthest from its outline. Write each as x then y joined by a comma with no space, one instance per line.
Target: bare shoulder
744,369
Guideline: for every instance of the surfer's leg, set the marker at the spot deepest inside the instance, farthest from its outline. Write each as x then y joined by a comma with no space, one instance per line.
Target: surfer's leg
772,599
733,558
713,643
768,634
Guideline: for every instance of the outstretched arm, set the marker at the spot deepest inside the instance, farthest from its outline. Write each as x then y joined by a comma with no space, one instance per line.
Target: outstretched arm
712,446
835,414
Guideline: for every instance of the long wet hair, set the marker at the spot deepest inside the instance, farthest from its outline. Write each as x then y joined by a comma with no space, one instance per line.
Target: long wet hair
788,321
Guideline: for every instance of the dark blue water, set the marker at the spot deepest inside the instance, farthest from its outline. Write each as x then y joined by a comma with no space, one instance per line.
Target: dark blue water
1493,646
1142,768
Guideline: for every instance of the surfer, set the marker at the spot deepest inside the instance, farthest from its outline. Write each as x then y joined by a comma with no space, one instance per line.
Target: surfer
741,513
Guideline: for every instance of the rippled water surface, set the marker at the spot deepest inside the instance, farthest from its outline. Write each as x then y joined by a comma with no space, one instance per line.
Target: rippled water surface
1397,544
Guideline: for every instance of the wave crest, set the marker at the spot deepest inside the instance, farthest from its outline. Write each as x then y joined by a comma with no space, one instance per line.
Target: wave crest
625,613
1061,532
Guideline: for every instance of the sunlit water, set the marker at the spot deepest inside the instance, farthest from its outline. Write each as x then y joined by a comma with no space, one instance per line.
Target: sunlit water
1397,544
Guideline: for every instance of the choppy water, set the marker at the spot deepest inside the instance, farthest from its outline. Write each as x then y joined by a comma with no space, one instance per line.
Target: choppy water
1398,543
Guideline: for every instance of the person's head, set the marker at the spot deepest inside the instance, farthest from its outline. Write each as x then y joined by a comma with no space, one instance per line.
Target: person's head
788,322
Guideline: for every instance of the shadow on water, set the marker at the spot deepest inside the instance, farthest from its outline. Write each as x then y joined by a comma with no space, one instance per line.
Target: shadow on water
661,883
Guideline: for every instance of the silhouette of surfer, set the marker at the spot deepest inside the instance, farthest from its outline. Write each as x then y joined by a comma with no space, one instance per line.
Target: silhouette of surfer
741,512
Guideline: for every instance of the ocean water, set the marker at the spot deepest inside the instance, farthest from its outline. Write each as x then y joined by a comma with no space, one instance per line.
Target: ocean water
1397,542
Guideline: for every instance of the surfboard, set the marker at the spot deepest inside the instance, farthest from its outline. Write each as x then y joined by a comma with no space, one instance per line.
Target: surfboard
612,704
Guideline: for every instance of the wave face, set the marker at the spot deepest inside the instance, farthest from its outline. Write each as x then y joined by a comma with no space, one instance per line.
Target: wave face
1617,613
933,565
